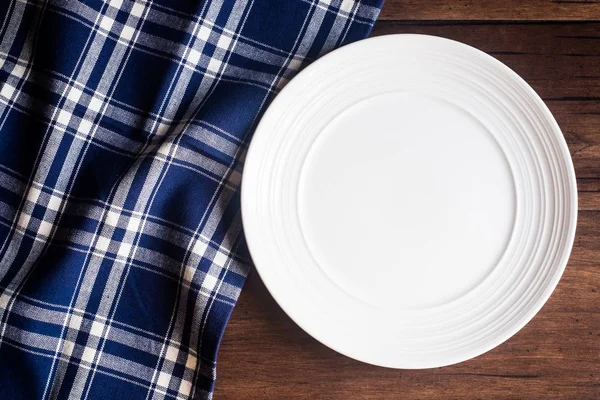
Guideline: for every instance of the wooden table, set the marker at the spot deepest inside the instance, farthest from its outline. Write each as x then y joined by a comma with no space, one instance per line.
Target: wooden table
555,46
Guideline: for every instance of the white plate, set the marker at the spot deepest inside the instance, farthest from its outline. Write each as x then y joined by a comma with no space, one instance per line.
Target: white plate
409,201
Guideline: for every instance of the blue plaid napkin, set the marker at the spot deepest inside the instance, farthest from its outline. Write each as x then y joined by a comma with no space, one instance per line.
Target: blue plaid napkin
123,129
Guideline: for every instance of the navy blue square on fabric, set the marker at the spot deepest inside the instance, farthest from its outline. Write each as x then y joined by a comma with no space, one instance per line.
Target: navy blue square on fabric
147,301
38,211
238,96
56,276
183,196
95,4
105,388
99,170
136,89
266,25
209,49
19,152
60,51
24,376
118,234
205,265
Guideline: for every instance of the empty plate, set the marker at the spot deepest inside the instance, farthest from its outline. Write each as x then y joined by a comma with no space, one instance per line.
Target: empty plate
409,201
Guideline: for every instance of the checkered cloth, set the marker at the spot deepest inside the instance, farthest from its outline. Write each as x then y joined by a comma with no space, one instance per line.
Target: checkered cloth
123,129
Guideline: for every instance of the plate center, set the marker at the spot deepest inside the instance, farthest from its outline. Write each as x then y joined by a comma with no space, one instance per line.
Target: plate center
406,201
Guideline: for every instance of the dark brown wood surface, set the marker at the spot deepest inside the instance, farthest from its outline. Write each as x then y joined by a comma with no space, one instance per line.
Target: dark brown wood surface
485,10
264,355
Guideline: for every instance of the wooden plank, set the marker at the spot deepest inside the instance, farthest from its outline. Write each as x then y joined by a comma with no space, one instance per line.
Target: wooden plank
491,10
264,355
589,201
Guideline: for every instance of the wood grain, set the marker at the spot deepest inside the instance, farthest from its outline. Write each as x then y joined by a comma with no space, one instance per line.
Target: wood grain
497,10
264,355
